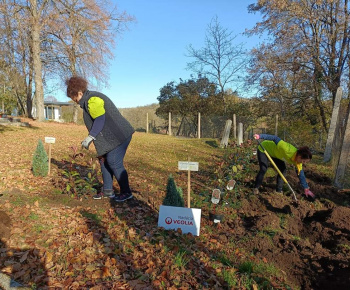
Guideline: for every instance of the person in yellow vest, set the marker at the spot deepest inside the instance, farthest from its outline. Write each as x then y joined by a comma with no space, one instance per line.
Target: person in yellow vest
281,152
110,132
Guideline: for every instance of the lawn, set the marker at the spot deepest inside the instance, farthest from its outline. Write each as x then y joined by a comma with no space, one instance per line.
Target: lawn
55,237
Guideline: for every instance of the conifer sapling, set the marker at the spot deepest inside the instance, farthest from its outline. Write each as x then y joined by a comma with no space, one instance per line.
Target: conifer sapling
174,196
40,160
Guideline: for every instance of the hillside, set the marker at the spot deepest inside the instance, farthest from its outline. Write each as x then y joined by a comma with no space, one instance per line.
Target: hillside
138,117
54,239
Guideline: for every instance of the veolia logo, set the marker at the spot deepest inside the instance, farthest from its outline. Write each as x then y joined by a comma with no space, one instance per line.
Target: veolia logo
168,220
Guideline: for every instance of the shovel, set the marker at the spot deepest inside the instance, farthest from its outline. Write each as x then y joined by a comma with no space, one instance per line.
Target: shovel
279,172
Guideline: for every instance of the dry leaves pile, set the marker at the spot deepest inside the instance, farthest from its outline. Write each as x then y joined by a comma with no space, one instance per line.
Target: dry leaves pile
60,243
121,247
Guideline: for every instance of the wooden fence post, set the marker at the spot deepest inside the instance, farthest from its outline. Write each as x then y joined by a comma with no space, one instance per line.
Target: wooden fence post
240,133
276,126
234,127
199,126
147,123
169,124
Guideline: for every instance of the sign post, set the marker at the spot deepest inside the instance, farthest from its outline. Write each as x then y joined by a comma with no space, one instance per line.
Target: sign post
189,166
50,140
188,186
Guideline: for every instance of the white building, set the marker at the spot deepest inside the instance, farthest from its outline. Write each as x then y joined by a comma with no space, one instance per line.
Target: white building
53,110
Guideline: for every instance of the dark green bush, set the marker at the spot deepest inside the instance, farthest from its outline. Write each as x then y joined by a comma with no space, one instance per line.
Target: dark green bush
40,160
174,196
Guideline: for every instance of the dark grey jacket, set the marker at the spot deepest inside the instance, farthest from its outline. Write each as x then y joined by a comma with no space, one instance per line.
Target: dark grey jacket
116,128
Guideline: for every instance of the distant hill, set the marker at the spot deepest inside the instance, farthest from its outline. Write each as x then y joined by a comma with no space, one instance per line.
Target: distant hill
138,117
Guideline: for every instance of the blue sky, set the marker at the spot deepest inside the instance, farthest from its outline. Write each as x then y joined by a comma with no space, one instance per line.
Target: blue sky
152,52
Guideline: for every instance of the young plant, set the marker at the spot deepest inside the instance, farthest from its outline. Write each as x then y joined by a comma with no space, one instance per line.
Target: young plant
91,180
77,183
71,174
174,196
40,161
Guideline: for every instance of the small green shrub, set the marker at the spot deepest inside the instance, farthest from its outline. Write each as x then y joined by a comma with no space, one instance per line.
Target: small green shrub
174,196
40,161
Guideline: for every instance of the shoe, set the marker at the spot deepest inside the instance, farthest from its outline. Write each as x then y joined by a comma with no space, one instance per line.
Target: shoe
123,197
103,195
278,192
255,191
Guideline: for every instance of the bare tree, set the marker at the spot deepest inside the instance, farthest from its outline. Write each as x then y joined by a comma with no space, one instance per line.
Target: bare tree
13,55
45,40
82,38
220,59
314,38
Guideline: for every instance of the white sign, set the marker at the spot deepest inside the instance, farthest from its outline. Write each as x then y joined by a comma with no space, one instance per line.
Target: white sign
187,219
186,165
50,140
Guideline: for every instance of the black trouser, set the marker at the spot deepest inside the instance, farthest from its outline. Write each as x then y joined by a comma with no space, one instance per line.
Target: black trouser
264,164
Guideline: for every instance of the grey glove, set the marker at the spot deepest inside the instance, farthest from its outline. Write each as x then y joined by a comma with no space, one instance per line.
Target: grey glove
87,141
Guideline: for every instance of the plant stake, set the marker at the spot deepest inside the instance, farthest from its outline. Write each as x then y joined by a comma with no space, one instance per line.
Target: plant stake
189,166
50,140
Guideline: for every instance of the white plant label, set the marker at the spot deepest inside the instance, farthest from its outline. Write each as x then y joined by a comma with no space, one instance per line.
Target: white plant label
51,140
186,165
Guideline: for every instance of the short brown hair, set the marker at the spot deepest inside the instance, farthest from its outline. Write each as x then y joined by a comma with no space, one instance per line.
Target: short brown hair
304,152
75,85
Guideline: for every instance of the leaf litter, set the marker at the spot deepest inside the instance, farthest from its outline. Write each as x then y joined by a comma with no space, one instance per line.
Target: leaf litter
50,240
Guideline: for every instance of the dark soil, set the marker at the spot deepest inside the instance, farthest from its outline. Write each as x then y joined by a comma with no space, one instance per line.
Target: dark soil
309,240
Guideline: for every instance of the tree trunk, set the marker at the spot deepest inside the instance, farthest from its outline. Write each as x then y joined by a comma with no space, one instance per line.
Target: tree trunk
20,104
37,66
340,179
29,97
331,132
181,124
318,93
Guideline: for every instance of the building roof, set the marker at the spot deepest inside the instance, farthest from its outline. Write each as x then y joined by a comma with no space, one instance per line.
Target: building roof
49,103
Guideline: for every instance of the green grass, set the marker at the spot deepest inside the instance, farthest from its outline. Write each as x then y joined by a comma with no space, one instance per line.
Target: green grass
283,220
92,216
257,273
33,216
181,259
230,277
271,231
296,238
148,175
18,202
